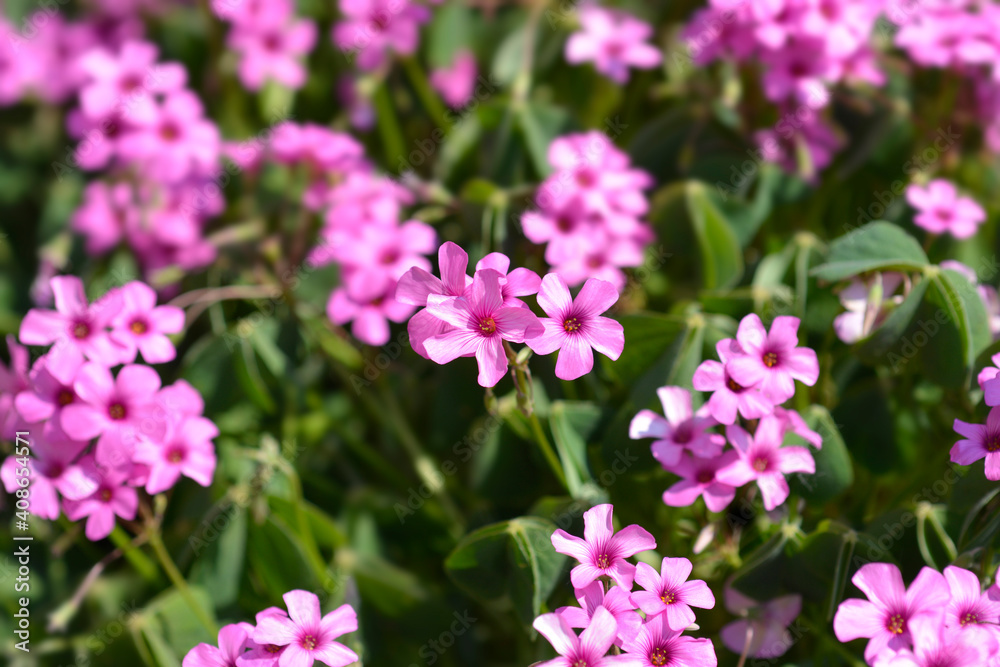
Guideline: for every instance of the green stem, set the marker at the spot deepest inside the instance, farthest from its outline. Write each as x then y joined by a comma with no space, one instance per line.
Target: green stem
305,531
546,447
427,96
135,556
388,126
179,582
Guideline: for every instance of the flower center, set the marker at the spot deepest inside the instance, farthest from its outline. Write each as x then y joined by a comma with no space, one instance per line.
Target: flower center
604,561
668,597
81,330
585,178
106,495
992,443
488,326
659,656
770,359
309,642
683,434
138,327
170,132
571,325
760,464
271,648
705,476
896,624
734,386
175,456
116,411
594,262
65,397
580,663
564,224
969,618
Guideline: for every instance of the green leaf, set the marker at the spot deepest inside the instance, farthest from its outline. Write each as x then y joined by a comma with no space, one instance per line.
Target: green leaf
954,329
761,573
220,563
449,33
834,471
721,253
540,125
511,561
877,246
572,423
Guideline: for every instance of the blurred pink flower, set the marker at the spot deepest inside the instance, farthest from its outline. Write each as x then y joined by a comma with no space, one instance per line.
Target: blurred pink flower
113,497
681,429
372,29
186,450
941,210
457,81
141,325
699,478
614,41
765,624
233,640
273,50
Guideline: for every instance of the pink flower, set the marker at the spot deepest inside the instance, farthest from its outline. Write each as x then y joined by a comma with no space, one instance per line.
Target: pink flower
51,390
941,210
186,450
657,645
575,326
519,282
981,441
592,597
765,461
772,360
699,478
588,649
765,623
13,380
390,249
729,397
417,284
263,655
53,472
935,646
680,430
669,592
972,613
141,325
112,498
232,645
273,49
117,410
373,28
177,143
456,82
866,301
792,421
107,211
603,552
481,323
127,83
886,617
614,41
74,324
370,305
306,635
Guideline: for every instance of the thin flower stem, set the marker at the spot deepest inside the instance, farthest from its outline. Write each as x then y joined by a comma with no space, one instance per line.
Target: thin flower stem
427,96
746,646
305,531
178,580
388,126
550,454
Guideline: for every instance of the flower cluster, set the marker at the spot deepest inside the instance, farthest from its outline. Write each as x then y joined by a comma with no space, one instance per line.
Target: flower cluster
137,119
755,375
479,316
299,637
363,230
982,441
270,40
590,210
613,41
143,434
804,48
609,610
939,620
371,30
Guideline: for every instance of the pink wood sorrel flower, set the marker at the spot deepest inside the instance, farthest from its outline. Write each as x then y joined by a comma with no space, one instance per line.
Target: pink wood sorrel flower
765,461
113,497
669,592
232,645
764,623
680,430
74,323
575,326
657,645
587,650
306,635
142,326
971,612
617,601
699,478
941,210
614,41
417,284
481,324
981,441
602,552
187,450
728,397
886,616
772,358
